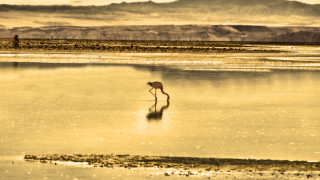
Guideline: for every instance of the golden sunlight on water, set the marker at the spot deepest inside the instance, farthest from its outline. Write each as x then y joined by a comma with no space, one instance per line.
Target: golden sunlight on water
108,109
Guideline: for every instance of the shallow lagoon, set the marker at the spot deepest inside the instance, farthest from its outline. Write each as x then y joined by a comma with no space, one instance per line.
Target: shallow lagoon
89,108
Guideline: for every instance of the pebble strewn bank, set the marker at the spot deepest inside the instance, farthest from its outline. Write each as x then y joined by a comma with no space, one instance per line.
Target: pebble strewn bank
192,166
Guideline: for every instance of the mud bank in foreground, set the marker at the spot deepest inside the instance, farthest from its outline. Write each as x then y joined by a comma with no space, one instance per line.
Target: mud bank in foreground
192,166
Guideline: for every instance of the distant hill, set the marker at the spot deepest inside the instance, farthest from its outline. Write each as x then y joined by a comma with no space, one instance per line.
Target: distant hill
170,33
245,12
245,7
212,20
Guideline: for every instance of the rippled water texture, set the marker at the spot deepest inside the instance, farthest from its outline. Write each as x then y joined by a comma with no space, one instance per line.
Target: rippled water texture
81,108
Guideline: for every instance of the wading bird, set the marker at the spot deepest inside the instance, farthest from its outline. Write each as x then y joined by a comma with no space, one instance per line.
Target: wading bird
157,85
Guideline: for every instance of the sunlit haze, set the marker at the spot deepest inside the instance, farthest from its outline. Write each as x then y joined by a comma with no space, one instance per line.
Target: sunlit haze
72,2
97,2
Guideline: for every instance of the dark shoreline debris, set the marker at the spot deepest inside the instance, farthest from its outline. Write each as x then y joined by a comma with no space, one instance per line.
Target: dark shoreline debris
134,46
191,165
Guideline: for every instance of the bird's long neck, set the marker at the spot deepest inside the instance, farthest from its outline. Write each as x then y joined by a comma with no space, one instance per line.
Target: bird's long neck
168,97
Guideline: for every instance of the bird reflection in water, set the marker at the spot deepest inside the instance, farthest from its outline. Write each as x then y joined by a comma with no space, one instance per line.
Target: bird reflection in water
155,115
15,64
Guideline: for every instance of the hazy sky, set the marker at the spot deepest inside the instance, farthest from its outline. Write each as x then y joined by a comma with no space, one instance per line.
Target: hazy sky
95,2
72,2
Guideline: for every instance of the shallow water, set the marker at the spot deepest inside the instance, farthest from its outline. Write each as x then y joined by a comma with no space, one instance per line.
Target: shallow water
69,108
36,170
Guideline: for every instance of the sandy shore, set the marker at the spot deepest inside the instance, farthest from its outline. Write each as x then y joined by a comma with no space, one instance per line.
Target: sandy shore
134,46
192,166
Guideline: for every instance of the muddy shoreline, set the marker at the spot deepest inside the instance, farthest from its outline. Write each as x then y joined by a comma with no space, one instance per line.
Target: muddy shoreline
138,46
188,166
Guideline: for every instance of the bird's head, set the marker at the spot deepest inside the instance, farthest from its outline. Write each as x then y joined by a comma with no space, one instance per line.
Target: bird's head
149,83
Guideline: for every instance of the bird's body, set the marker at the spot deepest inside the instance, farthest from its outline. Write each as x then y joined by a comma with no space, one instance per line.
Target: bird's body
157,85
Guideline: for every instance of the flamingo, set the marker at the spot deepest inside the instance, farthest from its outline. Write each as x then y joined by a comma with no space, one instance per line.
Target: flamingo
157,85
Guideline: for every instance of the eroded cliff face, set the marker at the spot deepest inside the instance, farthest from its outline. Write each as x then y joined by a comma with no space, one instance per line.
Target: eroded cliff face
170,33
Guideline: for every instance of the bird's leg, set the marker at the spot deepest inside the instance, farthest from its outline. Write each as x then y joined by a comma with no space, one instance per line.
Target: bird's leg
153,106
155,90
151,92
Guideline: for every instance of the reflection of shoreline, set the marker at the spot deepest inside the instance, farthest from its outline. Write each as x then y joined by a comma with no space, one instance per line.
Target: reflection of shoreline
200,65
188,166
155,115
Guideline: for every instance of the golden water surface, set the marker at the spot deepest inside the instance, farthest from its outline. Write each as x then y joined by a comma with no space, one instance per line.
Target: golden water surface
52,108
